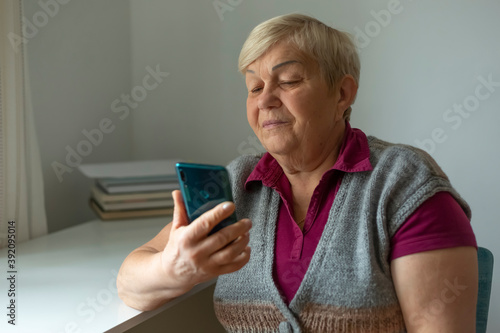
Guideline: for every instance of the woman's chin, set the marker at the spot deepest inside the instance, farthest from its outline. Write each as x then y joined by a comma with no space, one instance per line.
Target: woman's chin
278,148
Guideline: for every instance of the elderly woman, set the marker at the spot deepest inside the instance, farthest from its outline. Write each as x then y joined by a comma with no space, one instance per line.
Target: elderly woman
349,233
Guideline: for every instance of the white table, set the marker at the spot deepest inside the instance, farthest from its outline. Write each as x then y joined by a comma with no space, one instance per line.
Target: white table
66,281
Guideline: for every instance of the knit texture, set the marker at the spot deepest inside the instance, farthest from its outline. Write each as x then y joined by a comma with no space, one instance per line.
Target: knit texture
348,285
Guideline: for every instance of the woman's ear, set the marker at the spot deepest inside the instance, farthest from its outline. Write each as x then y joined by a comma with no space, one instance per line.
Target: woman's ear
347,90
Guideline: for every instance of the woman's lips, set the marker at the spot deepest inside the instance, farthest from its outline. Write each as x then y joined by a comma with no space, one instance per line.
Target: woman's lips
268,124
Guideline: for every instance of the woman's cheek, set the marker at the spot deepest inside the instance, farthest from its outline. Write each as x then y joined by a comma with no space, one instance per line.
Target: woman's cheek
252,114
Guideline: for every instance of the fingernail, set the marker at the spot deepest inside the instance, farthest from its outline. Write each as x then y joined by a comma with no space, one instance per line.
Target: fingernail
226,206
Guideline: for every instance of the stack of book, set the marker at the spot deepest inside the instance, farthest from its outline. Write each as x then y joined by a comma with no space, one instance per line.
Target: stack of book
133,197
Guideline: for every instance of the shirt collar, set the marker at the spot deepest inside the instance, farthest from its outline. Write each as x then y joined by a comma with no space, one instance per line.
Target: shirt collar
354,156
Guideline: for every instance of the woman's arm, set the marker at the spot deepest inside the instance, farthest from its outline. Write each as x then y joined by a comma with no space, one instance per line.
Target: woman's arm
437,290
181,256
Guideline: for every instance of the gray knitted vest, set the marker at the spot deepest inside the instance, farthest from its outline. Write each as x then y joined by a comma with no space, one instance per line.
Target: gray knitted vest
348,285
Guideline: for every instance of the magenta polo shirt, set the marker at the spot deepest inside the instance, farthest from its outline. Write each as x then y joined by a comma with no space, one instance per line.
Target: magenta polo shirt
428,228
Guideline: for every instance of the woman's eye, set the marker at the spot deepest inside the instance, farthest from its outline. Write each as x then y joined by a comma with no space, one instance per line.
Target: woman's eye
289,83
256,90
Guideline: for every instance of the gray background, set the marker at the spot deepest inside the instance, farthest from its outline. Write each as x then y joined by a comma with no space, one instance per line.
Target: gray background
414,68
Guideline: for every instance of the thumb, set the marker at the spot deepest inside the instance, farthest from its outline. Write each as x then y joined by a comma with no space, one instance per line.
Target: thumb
180,215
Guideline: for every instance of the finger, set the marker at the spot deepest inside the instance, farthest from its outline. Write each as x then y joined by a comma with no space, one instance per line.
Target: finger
180,215
238,262
208,220
223,237
227,254
202,250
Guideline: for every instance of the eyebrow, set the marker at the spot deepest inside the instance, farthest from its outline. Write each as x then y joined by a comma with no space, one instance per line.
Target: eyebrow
284,64
277,66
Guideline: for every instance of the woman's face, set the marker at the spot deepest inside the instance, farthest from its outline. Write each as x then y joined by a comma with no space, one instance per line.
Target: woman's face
289,106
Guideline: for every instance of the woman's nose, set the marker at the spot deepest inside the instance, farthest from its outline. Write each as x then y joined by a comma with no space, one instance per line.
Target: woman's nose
268,99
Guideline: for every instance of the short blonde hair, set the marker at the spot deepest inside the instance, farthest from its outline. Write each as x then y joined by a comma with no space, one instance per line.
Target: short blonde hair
333,50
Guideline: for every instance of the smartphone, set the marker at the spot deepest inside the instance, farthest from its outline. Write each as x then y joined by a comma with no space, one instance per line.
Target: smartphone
203,187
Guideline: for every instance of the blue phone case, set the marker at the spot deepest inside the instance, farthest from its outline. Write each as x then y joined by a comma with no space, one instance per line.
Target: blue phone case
203,187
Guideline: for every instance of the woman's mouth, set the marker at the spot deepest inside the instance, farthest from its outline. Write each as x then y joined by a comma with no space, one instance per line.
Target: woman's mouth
269,124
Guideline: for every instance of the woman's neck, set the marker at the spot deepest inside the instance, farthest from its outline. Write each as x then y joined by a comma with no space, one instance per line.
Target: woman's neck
304,173
305,169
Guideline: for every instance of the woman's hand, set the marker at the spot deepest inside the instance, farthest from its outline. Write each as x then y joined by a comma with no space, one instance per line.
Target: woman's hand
191,256
182,255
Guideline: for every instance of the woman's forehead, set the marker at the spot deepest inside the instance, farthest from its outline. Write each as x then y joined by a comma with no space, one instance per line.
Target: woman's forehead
279,57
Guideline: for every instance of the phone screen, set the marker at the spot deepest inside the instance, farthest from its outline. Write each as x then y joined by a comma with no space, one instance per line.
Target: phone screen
203,187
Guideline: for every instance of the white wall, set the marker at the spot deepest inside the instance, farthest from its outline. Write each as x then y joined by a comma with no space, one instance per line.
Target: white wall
192,114
79,61
421,63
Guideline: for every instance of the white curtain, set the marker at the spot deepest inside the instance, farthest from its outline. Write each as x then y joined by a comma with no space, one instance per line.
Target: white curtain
21,182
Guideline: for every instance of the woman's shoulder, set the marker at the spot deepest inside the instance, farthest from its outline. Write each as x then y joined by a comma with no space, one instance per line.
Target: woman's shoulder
403,157
409,176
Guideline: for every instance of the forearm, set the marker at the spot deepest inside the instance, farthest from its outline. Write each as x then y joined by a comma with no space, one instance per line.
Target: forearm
181,256
144,284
